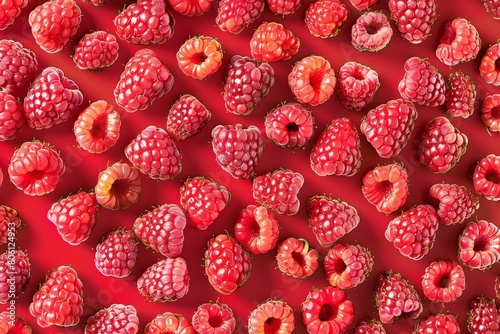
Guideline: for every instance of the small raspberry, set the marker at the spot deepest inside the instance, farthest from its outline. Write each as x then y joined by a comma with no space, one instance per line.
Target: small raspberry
460,42
272,42
11,116
9,218
490,112
234,16
362,5
479,245
324,18
296,259
96,3
483,316
273,316
489,68
486,177
169,322
460,95
18,67
96,50
213,318
443,281
454,203
256,229
116,318
414,19
357,85
15,273
369,326
191,8
372,32
493,8
439,323
284,7
10,11
116,255
13,324
187,117
200,56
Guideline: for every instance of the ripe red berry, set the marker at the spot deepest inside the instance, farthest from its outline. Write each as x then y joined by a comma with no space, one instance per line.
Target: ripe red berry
488,66
11,116
414,19
459,43
296,259
13,323
234,16
369,326
9,219
439,323
493,8
490,112
357,85
272,42
483,316
256,229
372,32
116,254
96,50
453,203
186,117
116,318
284,7
200,56
479,245
15,273
460,95
324,18
10,11
18,67
191,8
443,281
169,322
213,318
486,177
273,316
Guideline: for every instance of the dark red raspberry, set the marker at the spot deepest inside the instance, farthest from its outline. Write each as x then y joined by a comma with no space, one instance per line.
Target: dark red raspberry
187,117
9,219
256,229
357,85
18,67
235,15
116,255
490,112
460,95
213,318
454,203
10,11
479,245
487,177
324,18
272,42
483,316
284,7
414,19
439,323
488,69
296,259
372,32
443,281
15,273
96,50
11,116
460,42
116,318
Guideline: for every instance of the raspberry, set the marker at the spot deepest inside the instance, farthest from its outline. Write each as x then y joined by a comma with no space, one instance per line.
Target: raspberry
483,316
15,273
144,80
443,281
272,42
117,318
357,85
200,56
442,145
8,218
165,281
488,68
11,116
327,310
296,259
422,83
97,128
54,23
290,125
256,229
283,7
227,264
75,216
312,80
63,308
386,187
479,245
118,186
486,177
191,8
347,266
169,322
460,95
213,318
370,326
234,16
453,203
324,18
330,219
246,83
162,229
273,316
18,67
490,112
203,200
337,150
372,32
186,117
414,231
362,5
237,149
36,168
154,154
493,8
460,42
116,255
96,3
13,324
10,11
439,323
96,50
278,190
414,19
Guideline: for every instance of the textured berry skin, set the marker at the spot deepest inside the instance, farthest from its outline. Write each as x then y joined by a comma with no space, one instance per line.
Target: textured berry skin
186,117
169,322
483,316
18,67
422,83
237,149
372,32
414,231
116,254
414,19
234,16
459,43
52,99
155,154
54,23
146,22
117,318
96,50
47,305
479,245
362,5
213,318
227,264
272,42
10,11
488,68
493,8
191,8
460,95
337,150
256,229
490,112
144,80
330,219
443,281
439,323
200,56
247,82
357,85
165,281
312,80
272,316
324,18
11,116
15,325
369,326
203,200
36,168
9,219
75,216
284,7
388,126
442,145
95,3
327,310
296,259
278,190
15,273
486,177
162,229
453,203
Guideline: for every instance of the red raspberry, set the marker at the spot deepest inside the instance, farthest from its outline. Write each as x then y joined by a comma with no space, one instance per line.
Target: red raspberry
191,7
362,5
372,32
15,325
165,281
97,128
460,95
10,11
371,326
330,219
272,42
296,259
414,19
96,3
200,56
486,177
439,323
454,203
54,22
246,83
290,125
442,145
327,310
11,116
237,149
144,80
96,50
15,273
273,316
422,83
162,229
324,18
203,200
357,85
75,216
169,322
312,80
278,190
116,318
187,117
9,219
64,308
155,154
36,168
479,245
337,150
18,67
213,318
460,42
52,99
227,264
493,8
283,7
414,231
490,112
386,187
443,281
483,316
488,68
256,229
235,15
116,255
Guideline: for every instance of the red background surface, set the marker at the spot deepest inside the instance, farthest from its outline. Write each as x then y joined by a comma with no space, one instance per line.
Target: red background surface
47,250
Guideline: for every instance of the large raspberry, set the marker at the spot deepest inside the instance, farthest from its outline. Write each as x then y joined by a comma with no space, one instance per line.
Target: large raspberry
443,281
414,19
273,315
272,42
256,229
460,42
490,112
116,318
200,56
15,273
357,85
324,18
487,177
296,259
187,117
372,32
439,323
11,116
213,318
483,316
235,15
169,322
454,203
18,67
9,221
479,245
488,68
116,254
460,95
10,11
96,50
